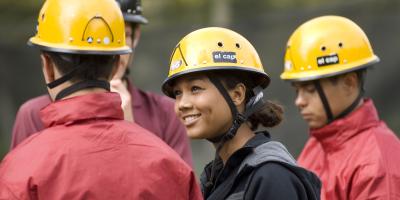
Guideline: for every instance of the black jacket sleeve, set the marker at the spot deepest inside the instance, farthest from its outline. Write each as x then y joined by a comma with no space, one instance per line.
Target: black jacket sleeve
274,181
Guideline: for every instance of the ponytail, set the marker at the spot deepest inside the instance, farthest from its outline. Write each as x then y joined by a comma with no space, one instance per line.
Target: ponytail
270,115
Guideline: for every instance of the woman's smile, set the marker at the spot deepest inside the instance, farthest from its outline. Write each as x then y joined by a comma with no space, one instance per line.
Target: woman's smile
190,119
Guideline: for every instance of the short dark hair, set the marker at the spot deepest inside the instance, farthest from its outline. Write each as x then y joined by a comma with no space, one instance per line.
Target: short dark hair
90,67
361,73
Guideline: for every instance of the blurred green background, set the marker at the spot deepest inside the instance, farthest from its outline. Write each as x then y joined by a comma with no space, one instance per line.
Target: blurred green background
267,24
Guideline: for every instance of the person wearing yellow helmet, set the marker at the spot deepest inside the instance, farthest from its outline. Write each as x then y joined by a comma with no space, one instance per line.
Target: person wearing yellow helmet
217,80
151,111
87,150
350,148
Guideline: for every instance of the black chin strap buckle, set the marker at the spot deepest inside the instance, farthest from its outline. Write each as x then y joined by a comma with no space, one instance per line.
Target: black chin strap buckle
237,122
239,119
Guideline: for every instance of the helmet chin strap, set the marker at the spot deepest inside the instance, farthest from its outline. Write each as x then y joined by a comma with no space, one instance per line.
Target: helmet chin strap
83,85
238,118
76,86
358,99
253,105
325,103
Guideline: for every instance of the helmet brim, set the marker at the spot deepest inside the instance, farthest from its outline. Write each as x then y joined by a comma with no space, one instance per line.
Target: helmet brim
135,19
261,79
301,78
87,51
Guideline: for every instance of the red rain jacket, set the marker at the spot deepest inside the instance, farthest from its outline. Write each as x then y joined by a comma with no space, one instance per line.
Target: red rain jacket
152,112
87,151
356,157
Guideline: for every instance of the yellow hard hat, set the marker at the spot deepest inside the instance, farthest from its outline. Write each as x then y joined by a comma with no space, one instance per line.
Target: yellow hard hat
81,27
214,48
324,47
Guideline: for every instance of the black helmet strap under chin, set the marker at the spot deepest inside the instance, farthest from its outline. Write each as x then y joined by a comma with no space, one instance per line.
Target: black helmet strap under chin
253,105
324,101
349,109
238,118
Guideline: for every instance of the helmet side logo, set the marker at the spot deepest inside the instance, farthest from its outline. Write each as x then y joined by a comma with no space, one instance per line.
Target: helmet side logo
327,60
223,56
175,65
288,65
99,27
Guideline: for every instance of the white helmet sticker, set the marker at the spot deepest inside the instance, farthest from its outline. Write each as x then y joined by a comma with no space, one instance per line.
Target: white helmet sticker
175,65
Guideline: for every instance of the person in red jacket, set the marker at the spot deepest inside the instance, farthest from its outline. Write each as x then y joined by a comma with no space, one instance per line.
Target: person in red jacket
151,111
87,150
353,152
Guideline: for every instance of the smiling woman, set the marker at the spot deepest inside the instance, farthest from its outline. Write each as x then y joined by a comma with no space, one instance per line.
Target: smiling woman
217,79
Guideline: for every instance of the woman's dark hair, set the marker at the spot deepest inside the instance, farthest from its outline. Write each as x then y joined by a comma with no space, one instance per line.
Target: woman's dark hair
270,115
90,67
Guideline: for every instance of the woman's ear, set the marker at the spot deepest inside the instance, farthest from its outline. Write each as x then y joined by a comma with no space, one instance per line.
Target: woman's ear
238,94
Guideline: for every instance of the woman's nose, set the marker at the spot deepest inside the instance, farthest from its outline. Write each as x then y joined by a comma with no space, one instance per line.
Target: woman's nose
184,102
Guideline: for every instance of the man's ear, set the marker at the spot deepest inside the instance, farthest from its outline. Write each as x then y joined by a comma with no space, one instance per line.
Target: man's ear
350,82
116,66
47,68
238,94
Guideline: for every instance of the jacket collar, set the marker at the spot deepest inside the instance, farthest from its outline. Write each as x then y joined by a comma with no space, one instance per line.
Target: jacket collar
85,107
333,135
234,161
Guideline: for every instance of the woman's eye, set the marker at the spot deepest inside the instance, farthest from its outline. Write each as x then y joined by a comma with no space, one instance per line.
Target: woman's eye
177,93
196,89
